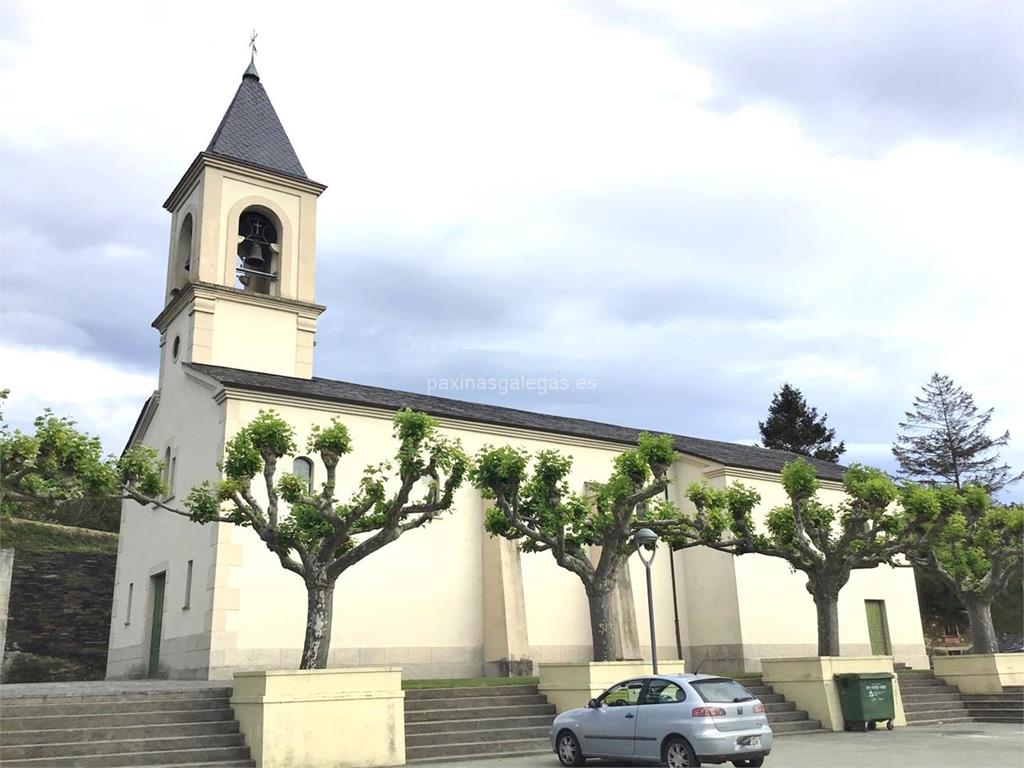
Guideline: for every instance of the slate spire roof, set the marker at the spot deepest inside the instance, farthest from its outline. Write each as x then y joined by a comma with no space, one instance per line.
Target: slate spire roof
251,131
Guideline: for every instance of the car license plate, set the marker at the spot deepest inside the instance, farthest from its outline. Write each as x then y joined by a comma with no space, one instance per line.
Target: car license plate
754,742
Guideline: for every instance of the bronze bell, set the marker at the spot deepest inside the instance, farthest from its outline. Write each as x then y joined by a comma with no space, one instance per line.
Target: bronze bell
252,255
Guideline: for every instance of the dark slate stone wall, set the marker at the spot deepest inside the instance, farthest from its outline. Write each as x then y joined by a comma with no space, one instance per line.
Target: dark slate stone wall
60,606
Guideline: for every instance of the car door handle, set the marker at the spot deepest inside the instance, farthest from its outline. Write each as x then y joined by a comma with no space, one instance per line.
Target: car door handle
629,716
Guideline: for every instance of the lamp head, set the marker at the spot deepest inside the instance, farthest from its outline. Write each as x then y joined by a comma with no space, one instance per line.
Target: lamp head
645,537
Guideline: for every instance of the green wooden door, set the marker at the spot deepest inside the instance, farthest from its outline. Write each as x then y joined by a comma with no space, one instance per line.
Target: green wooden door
878,628
158,618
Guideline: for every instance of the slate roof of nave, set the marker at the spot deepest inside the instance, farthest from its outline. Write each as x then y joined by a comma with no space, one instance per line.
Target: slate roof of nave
728,454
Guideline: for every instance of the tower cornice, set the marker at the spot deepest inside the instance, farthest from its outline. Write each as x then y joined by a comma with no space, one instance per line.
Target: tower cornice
206,160
199,291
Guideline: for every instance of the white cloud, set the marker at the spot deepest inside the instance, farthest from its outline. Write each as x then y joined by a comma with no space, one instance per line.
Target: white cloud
574,159
105,400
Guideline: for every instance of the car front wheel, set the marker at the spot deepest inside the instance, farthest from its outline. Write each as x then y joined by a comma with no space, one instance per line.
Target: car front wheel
569,752
677,753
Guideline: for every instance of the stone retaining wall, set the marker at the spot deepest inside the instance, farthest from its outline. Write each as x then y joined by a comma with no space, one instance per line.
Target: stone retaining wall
60,606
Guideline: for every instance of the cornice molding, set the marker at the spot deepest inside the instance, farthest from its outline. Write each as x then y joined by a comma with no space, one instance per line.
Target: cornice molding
207,160
756,474
212,291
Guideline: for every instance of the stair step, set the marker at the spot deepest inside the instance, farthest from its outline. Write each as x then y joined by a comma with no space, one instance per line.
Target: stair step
60,750
418,694
919,698
473,713
57,735
787,717
481,724
928,706
509,733
112,708
41,723
924,686
800,726
482,749
781,706
937,714
462,702
994,712
116,698
215,755
486,756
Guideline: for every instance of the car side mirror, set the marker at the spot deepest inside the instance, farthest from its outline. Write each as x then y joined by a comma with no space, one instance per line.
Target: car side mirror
594,704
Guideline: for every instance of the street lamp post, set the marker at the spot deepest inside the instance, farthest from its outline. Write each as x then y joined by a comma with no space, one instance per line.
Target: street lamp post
647,539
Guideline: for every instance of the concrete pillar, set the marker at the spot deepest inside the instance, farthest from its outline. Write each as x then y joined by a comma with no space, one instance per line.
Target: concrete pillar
6,571
506,645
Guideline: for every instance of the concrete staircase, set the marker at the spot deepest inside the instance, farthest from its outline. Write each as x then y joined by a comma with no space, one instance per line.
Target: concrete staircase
183,729
783,716
450,724
1005,707
928,700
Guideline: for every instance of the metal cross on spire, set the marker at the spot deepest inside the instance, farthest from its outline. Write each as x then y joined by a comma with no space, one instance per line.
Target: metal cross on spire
250,71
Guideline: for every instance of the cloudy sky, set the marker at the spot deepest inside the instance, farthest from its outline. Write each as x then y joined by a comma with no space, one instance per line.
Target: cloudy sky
687,204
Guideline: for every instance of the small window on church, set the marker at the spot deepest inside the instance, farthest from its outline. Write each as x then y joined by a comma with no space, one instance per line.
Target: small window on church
303,467
258,248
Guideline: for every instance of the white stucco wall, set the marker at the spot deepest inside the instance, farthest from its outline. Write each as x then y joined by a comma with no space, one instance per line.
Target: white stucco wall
153,541
777,614
419,601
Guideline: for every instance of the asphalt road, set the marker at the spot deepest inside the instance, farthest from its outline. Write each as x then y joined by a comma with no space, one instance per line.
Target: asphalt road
959,745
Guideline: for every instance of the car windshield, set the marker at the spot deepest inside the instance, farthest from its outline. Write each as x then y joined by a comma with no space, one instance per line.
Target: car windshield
720,690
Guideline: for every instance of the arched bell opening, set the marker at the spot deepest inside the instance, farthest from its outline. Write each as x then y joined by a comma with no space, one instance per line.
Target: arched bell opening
259,251
183,252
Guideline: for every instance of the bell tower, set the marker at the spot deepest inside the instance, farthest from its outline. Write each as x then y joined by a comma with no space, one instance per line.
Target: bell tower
241,266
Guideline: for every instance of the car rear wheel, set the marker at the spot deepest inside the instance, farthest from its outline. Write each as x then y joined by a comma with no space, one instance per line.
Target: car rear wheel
677,753
569,752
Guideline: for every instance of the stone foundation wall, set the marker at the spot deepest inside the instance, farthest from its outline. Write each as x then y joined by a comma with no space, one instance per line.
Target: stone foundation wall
60,606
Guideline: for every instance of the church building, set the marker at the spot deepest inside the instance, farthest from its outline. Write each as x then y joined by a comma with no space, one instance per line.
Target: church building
237,335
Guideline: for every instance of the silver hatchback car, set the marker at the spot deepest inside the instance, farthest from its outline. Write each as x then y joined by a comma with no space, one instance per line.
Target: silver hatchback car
679,720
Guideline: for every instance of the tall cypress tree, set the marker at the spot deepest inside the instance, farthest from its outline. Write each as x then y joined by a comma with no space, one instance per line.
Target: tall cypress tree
792,425
944,440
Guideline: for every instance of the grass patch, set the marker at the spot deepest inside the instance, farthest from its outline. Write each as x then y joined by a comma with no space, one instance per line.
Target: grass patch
34,537
468,682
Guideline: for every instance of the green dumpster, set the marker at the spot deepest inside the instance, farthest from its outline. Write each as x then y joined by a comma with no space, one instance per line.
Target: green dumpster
866,699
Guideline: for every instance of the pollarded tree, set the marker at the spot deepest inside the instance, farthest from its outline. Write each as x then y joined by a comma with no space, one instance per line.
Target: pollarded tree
537,510
825,543
53,465
320,538
945,439
973,546
793,425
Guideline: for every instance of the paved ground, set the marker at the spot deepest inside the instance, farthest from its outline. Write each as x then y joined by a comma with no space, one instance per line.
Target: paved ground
960,745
